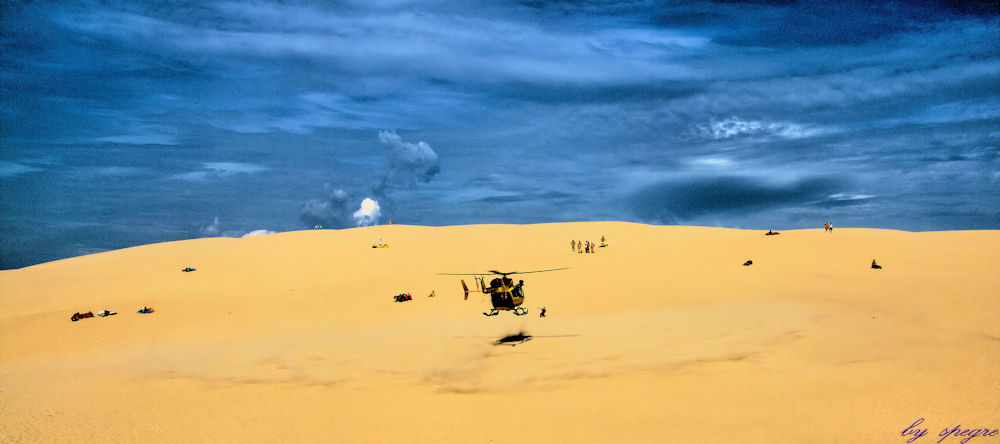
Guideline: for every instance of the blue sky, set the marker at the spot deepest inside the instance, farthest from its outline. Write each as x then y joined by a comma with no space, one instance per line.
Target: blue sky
126,123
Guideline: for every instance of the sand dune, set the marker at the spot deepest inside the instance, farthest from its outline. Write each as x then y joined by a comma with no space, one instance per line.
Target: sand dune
661,337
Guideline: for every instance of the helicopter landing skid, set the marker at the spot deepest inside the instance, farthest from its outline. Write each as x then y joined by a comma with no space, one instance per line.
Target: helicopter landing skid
521,312
493,312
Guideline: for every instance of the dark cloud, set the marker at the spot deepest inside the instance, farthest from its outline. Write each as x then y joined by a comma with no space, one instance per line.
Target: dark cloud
410,163
678,201
524,197
333,211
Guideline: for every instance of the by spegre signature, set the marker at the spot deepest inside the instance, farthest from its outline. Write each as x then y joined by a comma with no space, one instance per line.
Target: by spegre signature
948,432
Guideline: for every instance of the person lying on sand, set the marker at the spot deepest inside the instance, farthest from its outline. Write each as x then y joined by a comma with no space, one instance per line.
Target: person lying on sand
771,233
77,316
748,263
145,310
104,313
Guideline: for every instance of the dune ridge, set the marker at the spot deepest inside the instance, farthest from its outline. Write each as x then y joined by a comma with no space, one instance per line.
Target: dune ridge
661,337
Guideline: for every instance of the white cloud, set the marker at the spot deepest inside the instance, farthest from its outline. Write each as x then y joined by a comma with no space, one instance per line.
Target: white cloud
117,171
713,162
368,214
255,233
211,230
851,196
228,168
194,176
735,127
145,139
220,169
11,169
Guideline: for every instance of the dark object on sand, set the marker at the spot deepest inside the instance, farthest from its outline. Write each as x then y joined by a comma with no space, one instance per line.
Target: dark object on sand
771,233
188,269
514,339
748,263
542,314
876,266
78,316
402,297
145,310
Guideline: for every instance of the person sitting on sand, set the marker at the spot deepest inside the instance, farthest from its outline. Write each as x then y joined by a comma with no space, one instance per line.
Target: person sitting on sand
542,314
876,266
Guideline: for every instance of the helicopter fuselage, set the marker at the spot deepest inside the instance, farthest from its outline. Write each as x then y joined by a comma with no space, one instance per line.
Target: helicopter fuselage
504,293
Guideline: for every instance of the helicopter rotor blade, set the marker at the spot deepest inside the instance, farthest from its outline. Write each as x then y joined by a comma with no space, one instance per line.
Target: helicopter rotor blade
538,271
502,273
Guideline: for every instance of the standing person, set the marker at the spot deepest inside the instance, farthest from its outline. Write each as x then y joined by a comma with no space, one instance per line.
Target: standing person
831,227
572,245
826,226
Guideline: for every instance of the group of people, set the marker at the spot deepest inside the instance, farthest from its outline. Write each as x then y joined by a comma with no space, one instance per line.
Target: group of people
586,247
103,313
380,244
828,227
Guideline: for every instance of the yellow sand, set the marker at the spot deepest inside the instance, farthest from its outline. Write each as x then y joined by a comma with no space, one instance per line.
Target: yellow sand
661,337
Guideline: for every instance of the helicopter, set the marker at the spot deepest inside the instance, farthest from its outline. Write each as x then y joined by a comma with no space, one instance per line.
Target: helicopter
504,293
